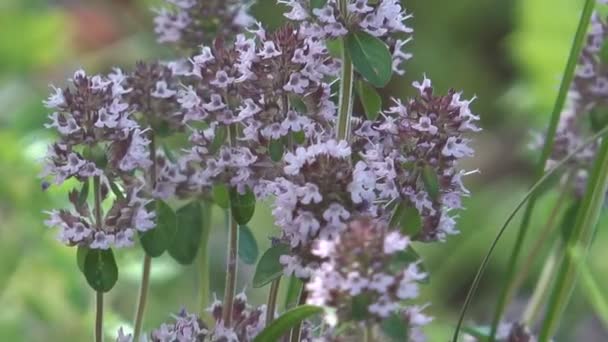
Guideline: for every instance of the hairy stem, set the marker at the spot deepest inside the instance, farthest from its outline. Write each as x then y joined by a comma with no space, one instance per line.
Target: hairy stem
567,78
231,258
272,300
99,316
143,296
296,331
147,263
98,294
345,108
203,255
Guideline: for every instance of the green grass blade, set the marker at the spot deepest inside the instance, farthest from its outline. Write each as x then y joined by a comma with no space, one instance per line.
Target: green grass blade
580,238
528,195
567,78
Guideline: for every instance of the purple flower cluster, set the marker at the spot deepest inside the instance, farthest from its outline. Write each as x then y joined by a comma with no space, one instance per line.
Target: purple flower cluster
367,275
585,107
248,322
189,23
384,19
98,138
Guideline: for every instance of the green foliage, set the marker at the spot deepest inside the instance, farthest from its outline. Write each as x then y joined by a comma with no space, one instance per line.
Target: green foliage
242,205
187,238
288,320
248,246
395,328
100,269
370,99
370,56
269,268
221,195
156,241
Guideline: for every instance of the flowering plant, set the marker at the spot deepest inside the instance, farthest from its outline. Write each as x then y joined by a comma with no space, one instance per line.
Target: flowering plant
270,116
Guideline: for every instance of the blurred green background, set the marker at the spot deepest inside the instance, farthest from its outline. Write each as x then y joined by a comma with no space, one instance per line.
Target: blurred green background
508,53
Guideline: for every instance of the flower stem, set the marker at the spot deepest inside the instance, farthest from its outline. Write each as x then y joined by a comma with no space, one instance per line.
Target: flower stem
147,264
368,333
204,261
143,296
231,258
272,300
296,331
345,108
99,316
98,294
567,78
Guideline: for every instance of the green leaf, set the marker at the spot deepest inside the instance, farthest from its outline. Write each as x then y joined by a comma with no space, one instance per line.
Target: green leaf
481,332
335,47
276,149
408,219
187,238
242,205
100,269
288,320
359,305
81,254
299,137
221,132
317,3
370,56
269,268
156,241
370,99
84,193
402,259
395,328
604,53
169,153
221,195
431,182
116,190
248,246
294,287
598,118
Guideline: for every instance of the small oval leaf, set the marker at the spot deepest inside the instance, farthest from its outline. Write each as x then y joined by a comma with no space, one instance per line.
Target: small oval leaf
248,246
431,182
395,328
242,205
370,56
84,193
187,238
81,254
221,195
100,269
156,241
269,268
288,320
370,99
276,149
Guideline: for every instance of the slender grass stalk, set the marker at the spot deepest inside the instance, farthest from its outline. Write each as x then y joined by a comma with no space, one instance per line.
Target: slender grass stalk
368,333
545,235
567,78
540,291
231,258
345,108
528,195
272,300
98,294
147,263
595,296
580,238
